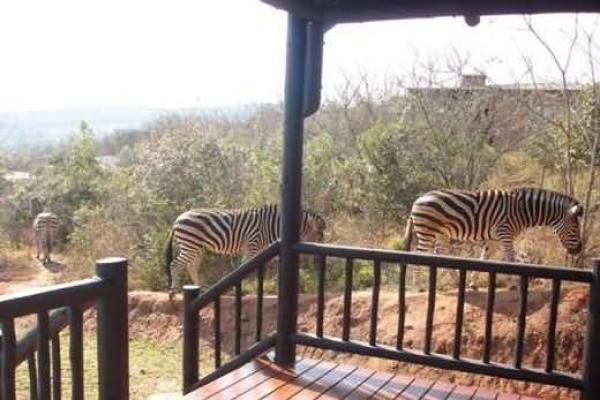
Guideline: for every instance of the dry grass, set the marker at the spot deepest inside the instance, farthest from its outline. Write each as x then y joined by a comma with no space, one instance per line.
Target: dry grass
153,367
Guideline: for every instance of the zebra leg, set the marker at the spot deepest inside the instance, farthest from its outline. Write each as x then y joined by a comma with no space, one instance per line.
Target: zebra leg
48,246
235,261
485,248
425,243
509,256
185,258
507,249
39,244
483,255
192,269
44,249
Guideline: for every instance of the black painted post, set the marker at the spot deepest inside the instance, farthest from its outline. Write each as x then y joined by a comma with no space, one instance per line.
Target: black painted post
591,366
314,68
190,338
285,351
113,336
8,345
76,351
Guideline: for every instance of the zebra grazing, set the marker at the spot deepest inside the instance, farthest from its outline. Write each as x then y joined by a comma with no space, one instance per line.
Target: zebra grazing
492,215
245,231
45,225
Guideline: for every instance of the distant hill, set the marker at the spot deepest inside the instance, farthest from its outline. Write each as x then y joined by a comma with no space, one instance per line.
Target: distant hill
31,128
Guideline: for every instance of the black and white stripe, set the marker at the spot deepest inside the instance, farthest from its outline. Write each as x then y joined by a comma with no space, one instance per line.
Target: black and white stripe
242,231
493,215
45,225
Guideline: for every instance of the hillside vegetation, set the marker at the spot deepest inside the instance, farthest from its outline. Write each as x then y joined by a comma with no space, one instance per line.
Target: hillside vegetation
368,155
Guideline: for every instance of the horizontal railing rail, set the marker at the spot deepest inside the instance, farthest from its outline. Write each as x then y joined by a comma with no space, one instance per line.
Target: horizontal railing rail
53,297
57,307
456,361
468,264
194,302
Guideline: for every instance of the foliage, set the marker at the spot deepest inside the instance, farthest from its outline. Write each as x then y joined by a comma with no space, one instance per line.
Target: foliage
394,167
366,159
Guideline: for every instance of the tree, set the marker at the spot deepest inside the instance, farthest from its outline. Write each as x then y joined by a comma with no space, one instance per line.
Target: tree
572,144
71,182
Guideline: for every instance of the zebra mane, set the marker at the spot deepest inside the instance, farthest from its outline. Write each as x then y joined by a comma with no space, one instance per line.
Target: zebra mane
565,199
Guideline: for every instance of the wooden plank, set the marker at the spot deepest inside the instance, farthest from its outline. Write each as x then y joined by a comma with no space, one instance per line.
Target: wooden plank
394,387
312,379
280,379
370,386
462,393
439,391
508,396
304,380
484,394
416,389
225,381
236,389
314,390
348,385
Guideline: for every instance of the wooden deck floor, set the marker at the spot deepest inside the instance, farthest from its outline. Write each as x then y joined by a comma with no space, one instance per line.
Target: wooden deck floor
312,379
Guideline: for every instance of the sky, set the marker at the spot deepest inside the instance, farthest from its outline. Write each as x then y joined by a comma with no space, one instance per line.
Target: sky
192,53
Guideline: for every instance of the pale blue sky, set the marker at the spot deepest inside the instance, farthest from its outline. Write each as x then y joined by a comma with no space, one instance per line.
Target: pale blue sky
185,53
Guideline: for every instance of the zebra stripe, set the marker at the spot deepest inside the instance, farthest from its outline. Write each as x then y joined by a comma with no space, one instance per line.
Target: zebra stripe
493,215
45,226
241,231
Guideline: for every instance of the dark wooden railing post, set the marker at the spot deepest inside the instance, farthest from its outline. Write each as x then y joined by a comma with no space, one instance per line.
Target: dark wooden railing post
591,366
190,338
8,359
43,349
113,338
76,351
287,306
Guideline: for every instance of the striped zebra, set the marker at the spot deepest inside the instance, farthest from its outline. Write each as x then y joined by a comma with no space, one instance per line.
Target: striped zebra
45,225
240,231
492,215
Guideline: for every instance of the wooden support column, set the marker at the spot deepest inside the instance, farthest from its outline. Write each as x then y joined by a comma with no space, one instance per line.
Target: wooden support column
285,350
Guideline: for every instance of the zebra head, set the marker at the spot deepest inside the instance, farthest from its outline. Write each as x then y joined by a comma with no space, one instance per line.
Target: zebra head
313,227
568,228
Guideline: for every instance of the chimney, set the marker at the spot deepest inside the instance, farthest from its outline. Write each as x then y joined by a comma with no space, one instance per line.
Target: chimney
472,80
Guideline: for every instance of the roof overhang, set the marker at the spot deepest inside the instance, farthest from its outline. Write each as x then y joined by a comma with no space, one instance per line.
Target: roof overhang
333,12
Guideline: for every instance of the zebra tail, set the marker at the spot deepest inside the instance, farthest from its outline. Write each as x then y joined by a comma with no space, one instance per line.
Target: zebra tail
169,259
408,234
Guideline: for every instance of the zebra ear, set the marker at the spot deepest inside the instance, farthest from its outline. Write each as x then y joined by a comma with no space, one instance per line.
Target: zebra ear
576,211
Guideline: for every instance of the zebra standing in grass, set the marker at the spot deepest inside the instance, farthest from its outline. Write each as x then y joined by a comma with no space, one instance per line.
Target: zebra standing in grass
245,231
492,215
45,225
